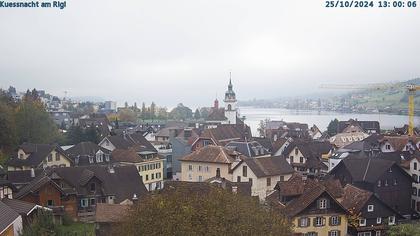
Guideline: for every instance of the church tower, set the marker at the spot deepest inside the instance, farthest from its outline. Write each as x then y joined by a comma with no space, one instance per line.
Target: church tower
230,104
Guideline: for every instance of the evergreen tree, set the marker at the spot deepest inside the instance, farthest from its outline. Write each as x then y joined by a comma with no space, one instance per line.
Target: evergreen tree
332,127
197,114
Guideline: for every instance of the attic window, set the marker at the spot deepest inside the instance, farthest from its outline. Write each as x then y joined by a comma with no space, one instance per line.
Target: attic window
370,208
92,187
322,203
388,147
296,151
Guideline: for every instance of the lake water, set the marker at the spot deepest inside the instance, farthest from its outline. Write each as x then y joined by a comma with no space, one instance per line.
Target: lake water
321,119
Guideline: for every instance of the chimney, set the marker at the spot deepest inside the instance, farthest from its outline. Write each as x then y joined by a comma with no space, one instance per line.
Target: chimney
135,198
32,173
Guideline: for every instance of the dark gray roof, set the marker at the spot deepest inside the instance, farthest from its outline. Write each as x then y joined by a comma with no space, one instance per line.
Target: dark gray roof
123,183
269,166
85,148
365,169
22,176
7,216
126,141
38,152
366,125
249,149
21,207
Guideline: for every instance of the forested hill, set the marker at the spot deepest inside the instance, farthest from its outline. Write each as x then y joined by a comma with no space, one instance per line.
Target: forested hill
393,99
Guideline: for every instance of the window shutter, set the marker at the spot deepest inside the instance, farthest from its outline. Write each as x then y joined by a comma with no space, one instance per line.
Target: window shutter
338,232
339,223
299,222
309,221
314,221
330,221
324,221
329,233
328,203
318,203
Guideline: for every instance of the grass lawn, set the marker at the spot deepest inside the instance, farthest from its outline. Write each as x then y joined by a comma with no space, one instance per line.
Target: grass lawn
77,229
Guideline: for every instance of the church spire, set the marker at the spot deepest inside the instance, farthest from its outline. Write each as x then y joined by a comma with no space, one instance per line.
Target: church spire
230,81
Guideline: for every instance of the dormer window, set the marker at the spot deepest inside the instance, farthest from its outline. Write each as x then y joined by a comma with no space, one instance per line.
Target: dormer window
379,183
92,187
107,157
21,156
98,157
90,160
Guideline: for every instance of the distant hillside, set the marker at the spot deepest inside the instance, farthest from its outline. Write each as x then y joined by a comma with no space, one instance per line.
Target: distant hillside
390,100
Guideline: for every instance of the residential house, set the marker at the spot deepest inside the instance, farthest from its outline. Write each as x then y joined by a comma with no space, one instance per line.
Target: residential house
371,215
412,167
31,155
89,153
265,142
6,189
350,134
182,141
208,162
150,166
26,210
282,129
369,127
280,145
77,190
10,221
262,173
404,131
385,178
309,157
311,206
226,133
314,132
99,121
399,143
126,141
202,142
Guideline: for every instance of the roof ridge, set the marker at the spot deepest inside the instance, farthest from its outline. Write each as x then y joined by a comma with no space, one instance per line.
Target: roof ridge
367,168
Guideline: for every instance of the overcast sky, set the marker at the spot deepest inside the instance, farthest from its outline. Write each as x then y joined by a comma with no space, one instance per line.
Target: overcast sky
182,50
